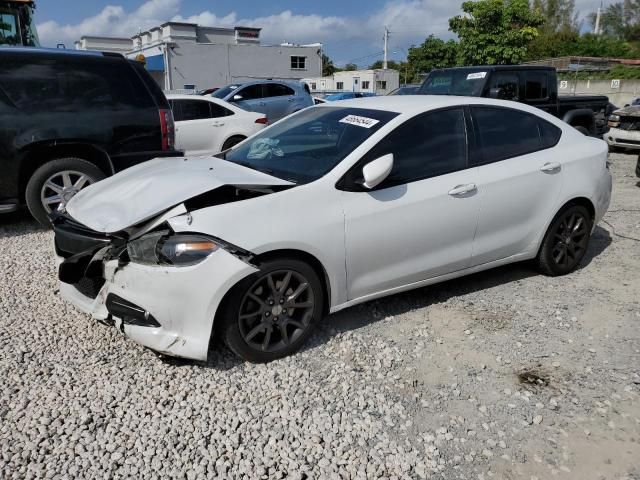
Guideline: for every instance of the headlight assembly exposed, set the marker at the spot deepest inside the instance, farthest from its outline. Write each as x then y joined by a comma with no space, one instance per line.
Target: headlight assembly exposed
163,248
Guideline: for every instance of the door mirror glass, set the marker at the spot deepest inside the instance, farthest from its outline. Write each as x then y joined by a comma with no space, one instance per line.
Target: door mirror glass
376,171
237,97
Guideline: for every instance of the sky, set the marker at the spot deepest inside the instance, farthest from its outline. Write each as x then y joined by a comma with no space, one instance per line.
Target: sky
351,30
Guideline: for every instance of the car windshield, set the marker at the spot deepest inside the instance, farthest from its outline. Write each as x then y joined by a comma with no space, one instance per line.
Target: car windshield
9,29
455,82
306,146
224,91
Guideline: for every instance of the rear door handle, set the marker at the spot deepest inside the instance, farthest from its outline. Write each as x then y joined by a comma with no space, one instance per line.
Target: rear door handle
459,190
551,167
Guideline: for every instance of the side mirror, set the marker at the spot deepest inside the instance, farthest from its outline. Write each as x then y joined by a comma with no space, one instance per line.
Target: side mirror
376,171
237,98
496,93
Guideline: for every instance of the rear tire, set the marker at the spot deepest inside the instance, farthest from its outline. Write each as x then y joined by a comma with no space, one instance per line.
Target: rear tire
232,142
272,313
40,198
565,242
583,130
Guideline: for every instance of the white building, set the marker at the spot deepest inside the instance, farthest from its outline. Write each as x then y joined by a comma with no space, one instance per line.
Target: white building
377,81
188,56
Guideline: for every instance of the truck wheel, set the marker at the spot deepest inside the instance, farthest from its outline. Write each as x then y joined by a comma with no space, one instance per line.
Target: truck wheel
53,184
583,131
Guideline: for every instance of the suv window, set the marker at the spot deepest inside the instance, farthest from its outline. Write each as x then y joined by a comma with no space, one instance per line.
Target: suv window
251,92
44,84
536,86
505,133
278,90
508,83
184,110
425,146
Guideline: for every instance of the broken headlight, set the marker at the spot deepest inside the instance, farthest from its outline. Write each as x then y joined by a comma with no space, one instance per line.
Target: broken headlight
163,248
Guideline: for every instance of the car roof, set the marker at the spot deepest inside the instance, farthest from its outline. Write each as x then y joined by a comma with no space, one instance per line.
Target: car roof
56,51
415,104
494,68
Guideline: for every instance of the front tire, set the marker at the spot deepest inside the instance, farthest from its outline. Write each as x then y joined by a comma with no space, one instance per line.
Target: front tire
272,313
53,184
565,242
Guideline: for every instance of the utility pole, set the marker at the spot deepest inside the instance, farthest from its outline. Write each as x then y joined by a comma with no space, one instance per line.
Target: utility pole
598,15
386,42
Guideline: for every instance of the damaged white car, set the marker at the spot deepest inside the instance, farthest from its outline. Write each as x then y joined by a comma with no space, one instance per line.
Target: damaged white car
331,207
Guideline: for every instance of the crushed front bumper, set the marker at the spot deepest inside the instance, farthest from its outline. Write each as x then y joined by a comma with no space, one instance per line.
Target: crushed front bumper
176,305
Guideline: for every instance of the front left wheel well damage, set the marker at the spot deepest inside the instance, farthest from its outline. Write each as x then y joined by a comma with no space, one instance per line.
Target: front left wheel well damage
258,260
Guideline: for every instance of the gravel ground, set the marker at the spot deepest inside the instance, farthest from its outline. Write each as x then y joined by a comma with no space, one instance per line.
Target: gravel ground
505,374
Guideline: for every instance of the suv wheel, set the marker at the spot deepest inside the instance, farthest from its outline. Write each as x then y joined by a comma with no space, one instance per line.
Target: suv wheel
271,313
53,184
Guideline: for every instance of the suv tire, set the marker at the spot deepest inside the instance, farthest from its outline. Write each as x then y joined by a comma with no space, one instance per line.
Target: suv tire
83,172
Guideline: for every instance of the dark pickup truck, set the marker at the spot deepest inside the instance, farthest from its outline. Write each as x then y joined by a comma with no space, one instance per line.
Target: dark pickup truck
535,86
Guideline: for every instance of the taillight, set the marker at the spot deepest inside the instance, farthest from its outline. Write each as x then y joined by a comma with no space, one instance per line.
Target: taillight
167,129
262,120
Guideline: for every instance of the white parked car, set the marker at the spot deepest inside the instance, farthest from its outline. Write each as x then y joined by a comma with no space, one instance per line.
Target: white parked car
333,206
207,125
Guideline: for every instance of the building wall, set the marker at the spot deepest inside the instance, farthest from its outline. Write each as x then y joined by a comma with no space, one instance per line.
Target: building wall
379,81
627,90
207,65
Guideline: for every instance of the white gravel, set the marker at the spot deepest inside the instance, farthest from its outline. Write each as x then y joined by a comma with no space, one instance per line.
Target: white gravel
419,385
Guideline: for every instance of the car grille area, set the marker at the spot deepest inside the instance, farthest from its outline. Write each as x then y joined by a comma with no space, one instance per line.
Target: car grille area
629,123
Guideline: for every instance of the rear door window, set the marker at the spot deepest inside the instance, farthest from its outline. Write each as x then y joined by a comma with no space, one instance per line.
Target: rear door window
508,83
278,90
219,111
191,110
536,86
506,133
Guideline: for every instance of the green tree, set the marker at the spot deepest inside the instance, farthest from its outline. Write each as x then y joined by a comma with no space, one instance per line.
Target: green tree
495,31
432,53
328,68
350,67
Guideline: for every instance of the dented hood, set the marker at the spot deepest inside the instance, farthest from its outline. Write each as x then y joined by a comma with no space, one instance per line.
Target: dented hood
146,190
630,111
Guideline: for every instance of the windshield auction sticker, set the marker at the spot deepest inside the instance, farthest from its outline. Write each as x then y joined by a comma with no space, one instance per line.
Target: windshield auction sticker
475,76
359,121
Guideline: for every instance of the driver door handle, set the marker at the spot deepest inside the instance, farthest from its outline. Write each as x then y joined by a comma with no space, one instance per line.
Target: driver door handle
551,167
460,190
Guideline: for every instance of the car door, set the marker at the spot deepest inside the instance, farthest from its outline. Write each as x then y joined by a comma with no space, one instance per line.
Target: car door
419,223
519,180
280,101
251,98
196,132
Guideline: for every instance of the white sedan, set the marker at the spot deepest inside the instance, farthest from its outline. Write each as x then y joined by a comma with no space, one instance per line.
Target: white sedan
331,207
207,125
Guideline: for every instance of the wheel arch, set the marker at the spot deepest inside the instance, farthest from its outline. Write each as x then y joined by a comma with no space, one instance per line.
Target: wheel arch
38,155
582,201
581,117
257,260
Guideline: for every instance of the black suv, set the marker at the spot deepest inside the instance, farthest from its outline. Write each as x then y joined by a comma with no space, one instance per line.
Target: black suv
68,119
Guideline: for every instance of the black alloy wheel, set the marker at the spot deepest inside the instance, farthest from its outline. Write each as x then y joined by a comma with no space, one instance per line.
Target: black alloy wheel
273,312
566,241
